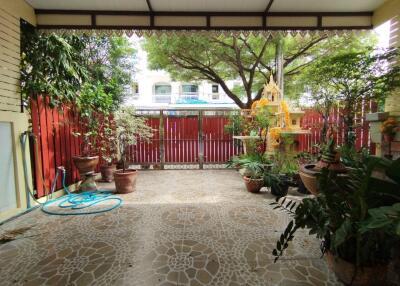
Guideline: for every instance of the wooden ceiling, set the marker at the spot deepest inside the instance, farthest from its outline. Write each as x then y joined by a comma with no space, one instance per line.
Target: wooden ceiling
205,14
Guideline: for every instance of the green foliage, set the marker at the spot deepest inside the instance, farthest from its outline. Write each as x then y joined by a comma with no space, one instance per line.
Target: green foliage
51,65
263,117
306,78
65,67
253,165
349,78
356,215
89,72
236,124
249,59
111,63
351,157
284,164
130,129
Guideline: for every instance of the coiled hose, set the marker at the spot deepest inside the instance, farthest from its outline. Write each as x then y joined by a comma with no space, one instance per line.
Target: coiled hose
72,203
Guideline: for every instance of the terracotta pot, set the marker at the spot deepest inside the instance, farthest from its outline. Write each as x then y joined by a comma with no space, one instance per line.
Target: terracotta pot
364,276
308,173
253,185
125,182
107,172
85,164
309,177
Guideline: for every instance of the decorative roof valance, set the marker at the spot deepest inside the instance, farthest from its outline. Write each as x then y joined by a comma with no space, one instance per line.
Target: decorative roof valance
140,33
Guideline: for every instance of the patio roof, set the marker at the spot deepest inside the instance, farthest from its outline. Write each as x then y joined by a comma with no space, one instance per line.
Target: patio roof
257,15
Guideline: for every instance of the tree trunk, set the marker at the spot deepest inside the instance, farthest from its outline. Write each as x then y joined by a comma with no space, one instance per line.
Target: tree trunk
324,128
349,137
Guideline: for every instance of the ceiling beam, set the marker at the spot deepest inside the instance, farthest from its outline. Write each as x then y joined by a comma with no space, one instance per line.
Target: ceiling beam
93,19
177,13
149,5
268,6
201,28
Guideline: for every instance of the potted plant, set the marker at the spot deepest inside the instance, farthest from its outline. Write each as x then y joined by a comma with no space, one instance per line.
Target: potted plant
284,169
86,162
130,128
93,104
330,159
108,146
302,158
356,216
252,168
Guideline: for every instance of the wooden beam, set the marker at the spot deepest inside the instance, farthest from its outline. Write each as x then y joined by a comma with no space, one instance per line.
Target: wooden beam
201,28
149,5
177,13
268,6
208,16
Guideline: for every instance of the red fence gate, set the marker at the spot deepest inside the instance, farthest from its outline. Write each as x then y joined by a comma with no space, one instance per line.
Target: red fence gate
185,137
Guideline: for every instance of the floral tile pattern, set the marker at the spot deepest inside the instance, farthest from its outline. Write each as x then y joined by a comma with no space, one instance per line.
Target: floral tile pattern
190,227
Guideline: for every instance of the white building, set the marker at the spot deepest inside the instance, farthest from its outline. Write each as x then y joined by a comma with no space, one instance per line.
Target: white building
155,89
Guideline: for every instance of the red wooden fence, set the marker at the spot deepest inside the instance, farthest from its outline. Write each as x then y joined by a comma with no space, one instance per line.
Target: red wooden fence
56,145
186,137
313,121
189,137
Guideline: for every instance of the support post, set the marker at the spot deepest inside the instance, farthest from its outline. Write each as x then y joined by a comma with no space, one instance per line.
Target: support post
279,64
161,136
200,140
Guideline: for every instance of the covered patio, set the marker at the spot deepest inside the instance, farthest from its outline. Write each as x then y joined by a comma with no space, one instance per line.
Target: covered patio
186,228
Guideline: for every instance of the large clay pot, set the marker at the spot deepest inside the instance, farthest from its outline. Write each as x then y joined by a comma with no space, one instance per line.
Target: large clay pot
107,173
365,276
308,173
309,177
253,185
125,182
85,164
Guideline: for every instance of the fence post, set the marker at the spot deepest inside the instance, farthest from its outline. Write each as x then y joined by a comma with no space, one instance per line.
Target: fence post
161,136
201,141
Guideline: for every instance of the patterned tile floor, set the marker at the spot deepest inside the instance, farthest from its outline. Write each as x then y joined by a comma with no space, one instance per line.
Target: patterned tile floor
179,228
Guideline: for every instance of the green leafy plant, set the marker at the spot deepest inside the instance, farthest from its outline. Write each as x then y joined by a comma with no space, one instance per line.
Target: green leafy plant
130,128
107,140
354,77
356,216
52,65
235,125
252,165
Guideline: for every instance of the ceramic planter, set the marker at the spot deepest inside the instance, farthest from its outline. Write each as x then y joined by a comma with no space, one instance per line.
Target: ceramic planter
253,185
281,188
125,182
309,177
107,173
86,165
365,276
308,172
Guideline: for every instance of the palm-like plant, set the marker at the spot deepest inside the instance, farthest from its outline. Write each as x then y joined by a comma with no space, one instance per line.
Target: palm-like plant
357,216
253,165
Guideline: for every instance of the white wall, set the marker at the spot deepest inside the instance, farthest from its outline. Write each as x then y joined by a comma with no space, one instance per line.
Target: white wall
8,198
